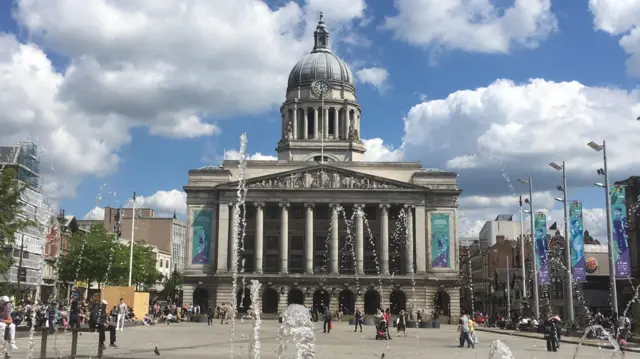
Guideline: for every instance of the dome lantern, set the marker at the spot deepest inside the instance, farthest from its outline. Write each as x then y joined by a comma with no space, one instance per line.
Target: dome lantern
321,36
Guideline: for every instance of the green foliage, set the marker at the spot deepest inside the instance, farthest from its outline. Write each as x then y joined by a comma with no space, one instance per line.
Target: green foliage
88,257
172,287
99,257
10,210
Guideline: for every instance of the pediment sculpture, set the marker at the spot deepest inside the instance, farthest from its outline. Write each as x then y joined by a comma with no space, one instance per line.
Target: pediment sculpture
321,179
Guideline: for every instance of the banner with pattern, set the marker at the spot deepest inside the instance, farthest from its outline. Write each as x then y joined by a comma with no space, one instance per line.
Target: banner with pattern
576,233
542,248
619,231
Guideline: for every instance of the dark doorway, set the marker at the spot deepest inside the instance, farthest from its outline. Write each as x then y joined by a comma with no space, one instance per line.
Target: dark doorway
321,299
296,296
201,298
347,302
243,300
270,301
371,302
442,302
397,301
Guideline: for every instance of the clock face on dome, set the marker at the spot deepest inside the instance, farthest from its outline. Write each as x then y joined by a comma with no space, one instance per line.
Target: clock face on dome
320,87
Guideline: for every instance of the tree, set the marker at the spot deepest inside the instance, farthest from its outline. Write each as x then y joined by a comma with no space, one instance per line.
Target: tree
89,256
11,220
144,271
172,287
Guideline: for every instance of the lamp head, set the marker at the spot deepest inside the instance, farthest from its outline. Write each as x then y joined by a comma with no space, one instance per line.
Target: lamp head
526,200
555,166
599,185
559,199
595,146
560,188
523,181
600,171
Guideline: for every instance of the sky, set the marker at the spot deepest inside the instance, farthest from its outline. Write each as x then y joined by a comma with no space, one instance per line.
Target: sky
127,96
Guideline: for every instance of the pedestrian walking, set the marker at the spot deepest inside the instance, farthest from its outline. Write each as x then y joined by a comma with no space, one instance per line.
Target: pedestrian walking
358,320
327,320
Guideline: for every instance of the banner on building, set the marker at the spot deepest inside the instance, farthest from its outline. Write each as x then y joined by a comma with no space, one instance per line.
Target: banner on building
440,240
542,248
576,233
201,240
619,231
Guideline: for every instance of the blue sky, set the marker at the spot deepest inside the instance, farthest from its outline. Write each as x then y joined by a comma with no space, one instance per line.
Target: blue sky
578,57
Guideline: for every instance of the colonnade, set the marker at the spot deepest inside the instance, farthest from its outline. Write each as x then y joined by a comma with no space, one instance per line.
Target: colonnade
306,124
382,244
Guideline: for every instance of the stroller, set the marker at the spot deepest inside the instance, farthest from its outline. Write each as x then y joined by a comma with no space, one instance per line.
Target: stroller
382,331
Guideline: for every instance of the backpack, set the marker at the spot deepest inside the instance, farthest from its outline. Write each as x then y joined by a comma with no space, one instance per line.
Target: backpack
93,316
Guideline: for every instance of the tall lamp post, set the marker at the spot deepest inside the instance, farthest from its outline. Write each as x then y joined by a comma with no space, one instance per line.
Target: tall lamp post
604,172
536,298
133,231
567,240
522,256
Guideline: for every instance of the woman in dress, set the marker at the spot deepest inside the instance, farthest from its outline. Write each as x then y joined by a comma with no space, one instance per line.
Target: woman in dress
401,323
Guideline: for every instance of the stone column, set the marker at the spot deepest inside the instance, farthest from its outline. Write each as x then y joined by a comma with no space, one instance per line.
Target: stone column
223,236
336,123
308,238
305,124
315,123
360,239
295,122
233,263
284,237
325,123
409,241
421,240
384,239
334,245
259,244
345,123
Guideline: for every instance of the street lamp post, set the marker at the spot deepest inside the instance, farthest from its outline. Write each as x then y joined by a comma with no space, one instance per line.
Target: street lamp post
133,231
567,240
612,270
536,298
522,256
508,292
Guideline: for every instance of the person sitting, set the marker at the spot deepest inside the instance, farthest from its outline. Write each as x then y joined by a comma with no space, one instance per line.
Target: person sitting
7,322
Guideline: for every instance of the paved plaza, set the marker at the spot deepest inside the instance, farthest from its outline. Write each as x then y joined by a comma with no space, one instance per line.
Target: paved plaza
194,340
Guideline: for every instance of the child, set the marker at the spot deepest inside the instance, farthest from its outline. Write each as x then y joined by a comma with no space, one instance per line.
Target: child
472,332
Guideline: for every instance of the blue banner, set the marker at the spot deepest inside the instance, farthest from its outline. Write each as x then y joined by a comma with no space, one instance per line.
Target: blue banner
576,233
619,231
201,240
542,248
440,241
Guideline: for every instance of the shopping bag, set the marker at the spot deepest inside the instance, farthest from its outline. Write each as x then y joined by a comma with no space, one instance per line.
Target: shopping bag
330,325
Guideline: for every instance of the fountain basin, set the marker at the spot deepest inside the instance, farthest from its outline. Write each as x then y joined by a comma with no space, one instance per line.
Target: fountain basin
424,325
202,318
412,324
436,324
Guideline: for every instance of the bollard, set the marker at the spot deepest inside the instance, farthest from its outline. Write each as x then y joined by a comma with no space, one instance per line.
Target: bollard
43,344
74,343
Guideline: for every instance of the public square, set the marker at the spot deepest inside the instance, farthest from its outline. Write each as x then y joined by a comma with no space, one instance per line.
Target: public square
197,340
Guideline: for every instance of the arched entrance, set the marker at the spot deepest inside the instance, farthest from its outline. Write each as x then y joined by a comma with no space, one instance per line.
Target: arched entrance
201,298
243,300
442,302
397,301
371,301
321,299
296,296
270,299
347,302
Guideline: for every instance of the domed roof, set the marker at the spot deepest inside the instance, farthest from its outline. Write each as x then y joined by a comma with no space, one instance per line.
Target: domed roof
320,64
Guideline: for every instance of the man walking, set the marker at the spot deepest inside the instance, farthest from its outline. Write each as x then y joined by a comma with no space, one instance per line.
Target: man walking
463,328
327,320
122,314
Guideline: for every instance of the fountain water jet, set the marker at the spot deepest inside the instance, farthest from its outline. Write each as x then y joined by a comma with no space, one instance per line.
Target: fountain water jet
255,310
500,350
239,232
297,327
592,329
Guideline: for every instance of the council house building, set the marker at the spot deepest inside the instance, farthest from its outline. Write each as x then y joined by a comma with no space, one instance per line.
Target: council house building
323,227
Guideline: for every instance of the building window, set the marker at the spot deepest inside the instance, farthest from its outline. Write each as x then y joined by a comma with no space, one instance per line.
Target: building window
272,243
296,243
370,213
272,212
297,212
160,263
322,212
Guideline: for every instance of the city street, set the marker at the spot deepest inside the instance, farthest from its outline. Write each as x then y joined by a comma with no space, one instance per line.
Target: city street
194,340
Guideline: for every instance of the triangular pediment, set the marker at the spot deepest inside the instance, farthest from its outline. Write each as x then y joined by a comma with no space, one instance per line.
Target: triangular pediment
324,177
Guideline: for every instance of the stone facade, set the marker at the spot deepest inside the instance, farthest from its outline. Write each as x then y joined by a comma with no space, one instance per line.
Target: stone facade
320,227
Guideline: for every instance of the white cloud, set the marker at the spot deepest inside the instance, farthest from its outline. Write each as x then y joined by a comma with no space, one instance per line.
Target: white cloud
620,17
377,151
472,26
496,134
374,76
163,202
169,67
235,155
95,214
